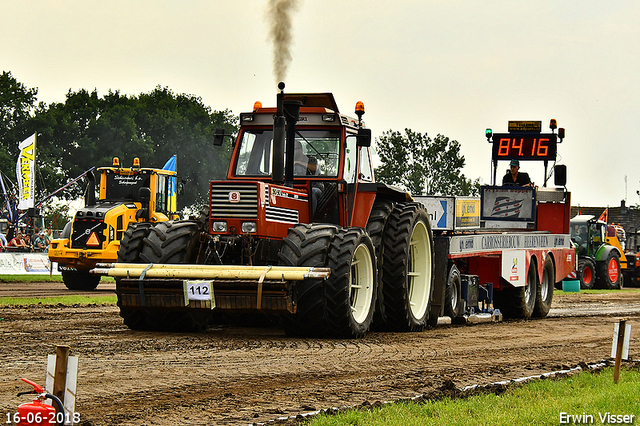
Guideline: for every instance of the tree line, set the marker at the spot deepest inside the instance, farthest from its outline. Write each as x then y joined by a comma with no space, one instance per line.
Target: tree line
88,130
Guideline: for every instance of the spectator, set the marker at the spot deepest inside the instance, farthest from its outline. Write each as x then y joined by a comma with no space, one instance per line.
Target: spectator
40,242
18,242
10,231
28,242
3,242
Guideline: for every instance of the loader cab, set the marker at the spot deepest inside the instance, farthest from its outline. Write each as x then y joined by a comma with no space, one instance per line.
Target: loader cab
124,184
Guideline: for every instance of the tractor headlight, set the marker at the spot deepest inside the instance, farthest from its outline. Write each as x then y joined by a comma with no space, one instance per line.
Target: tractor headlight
249,227
219,226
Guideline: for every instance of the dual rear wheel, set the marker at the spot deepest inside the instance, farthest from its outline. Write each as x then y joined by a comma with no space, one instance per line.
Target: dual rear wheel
397,268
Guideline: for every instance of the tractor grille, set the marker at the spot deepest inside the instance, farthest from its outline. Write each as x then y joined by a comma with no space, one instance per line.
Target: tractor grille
234,200
82,228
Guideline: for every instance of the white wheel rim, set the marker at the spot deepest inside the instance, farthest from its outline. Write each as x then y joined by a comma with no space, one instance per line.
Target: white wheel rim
530,281
454,296
544,291
419,270
361,283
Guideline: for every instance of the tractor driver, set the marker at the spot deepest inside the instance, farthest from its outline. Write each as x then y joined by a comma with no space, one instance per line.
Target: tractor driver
516,178
302,167
301,164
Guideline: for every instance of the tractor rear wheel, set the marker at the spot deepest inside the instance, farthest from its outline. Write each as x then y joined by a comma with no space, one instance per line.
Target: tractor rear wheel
586,274
80,280
172,242
407,264
544,293
609,273
376,227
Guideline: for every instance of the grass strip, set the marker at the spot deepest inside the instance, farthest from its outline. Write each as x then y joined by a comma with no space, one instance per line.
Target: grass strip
594,291
44,278
591,397
71,300
29,278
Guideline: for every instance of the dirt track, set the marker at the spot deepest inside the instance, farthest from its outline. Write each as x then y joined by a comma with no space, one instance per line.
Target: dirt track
238,376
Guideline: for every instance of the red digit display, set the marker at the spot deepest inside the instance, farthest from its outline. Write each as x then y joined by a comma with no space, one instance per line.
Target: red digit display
524,146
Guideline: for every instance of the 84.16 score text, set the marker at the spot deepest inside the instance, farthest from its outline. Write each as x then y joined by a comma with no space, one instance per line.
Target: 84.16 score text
538,146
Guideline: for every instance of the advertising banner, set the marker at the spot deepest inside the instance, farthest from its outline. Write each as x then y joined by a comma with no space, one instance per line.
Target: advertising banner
26,263
508,203
25,173
467,212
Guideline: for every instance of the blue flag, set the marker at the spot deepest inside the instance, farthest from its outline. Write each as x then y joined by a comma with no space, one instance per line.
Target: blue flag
172,200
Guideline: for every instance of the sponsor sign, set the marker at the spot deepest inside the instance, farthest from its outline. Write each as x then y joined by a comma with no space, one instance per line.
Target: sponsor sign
467,212
463,244
26,263
514,267
25,173
525,126
508,203
440,211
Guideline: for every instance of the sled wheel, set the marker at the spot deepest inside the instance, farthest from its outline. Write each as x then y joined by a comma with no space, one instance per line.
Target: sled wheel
453,294
518,302
544,293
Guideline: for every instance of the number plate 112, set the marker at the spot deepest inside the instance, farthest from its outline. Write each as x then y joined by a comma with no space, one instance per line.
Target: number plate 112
198,290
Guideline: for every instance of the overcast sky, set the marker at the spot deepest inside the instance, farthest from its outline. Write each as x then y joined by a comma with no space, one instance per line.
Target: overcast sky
434,66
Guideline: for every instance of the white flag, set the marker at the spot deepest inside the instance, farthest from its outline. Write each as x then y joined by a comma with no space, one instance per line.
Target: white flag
25,173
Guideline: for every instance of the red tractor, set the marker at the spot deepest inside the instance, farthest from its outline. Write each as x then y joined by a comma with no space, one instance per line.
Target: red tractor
300,228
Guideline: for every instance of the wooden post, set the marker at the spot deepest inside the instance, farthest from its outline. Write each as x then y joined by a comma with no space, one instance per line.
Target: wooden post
60,376
616,371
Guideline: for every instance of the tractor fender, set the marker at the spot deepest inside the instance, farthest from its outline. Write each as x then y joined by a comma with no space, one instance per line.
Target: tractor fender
602,253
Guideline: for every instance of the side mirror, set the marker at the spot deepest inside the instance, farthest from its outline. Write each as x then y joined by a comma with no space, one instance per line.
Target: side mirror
181,187
364,137
218,136
560,175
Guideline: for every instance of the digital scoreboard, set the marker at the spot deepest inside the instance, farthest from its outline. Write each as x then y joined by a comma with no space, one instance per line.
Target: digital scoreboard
524,146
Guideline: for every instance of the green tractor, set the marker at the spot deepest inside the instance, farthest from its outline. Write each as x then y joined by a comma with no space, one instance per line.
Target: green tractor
599,260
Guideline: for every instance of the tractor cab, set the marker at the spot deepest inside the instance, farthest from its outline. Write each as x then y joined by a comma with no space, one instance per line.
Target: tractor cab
588,234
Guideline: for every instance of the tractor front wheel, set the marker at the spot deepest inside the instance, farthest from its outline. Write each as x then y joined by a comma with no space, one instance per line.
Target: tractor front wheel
307,245
80,280
171,242
351,289
129,252
587,274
